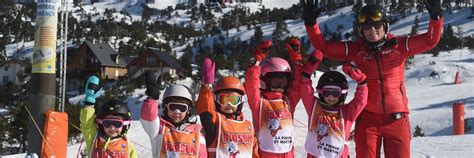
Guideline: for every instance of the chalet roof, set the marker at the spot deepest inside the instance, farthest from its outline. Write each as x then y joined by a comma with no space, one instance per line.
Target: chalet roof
105,54
24,63
168,59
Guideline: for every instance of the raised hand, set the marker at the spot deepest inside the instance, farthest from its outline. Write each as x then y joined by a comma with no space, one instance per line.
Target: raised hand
310,11
293,45
312,63
354,73
434,8
262,50
92,90
153,85
208,71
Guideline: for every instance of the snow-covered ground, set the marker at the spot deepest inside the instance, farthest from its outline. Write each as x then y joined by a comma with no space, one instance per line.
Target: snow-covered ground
431,99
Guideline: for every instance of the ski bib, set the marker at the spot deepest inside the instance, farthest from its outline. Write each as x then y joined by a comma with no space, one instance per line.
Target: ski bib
235,138
116,148
325,134
179,144
275,133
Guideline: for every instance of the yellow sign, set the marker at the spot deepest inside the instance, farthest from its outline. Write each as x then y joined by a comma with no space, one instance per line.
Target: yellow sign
44,52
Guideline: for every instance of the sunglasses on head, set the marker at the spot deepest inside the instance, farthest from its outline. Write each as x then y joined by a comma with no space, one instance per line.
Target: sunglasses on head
177,107
107,123
231,99
375,17
332,91
368,26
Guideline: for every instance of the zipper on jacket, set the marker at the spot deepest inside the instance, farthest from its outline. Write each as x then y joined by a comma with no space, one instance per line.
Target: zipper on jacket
377,59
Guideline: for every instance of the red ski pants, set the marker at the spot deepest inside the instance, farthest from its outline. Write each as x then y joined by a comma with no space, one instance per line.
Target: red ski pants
373,129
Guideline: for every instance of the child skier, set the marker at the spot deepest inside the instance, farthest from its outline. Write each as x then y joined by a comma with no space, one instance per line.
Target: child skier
175,133
105,135
329,119
227,132
272,100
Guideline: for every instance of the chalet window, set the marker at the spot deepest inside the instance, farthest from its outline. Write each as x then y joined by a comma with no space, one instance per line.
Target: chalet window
150,61
5,79
6,67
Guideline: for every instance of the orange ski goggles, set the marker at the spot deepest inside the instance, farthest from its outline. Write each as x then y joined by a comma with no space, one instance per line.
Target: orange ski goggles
231,99
375,16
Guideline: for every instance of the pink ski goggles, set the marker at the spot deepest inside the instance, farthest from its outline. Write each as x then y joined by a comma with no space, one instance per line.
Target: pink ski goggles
335,91
107,123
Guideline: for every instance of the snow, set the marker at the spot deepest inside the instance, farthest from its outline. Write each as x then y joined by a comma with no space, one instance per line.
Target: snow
430,98
2,110
270,4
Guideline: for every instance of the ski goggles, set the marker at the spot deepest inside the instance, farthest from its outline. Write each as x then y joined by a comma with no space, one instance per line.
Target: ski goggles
231,99
107,123
334,91
368,26
277,80
177,107
375,16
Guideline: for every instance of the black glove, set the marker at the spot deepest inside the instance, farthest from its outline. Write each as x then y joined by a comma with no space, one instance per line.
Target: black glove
434,8
153,85
310,11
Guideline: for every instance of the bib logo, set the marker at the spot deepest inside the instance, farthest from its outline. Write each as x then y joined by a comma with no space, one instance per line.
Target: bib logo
274,126
322,131
172,154
232,149
179,148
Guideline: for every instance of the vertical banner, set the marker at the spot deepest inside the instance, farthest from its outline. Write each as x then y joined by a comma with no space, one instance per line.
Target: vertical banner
44,55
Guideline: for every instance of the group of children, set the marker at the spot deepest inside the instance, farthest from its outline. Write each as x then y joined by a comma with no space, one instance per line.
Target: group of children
272,89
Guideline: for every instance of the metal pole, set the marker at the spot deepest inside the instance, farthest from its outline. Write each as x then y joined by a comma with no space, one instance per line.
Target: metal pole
65,53
61,59
43,73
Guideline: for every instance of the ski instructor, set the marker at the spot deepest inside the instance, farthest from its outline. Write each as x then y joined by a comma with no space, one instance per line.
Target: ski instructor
381,56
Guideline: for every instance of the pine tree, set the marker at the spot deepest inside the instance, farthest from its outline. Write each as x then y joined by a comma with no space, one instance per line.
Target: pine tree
467,127
418,132
331,7
258,35
460,35
16,103
472,12
414,28
186,59
450,41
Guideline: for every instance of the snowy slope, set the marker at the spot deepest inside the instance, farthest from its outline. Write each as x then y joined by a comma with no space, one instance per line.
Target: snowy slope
430,104
430,98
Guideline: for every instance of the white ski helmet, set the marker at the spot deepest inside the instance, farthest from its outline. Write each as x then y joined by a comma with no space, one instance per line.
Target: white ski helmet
178,91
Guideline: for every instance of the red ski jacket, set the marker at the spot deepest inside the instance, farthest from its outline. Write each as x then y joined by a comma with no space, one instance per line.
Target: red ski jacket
384,68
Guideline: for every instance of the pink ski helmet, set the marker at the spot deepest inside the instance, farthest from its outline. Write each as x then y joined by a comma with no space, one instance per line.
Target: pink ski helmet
274,66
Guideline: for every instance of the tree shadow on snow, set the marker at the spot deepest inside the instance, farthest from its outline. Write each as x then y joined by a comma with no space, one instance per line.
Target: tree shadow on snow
449,130
443,84
466,101
458,61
